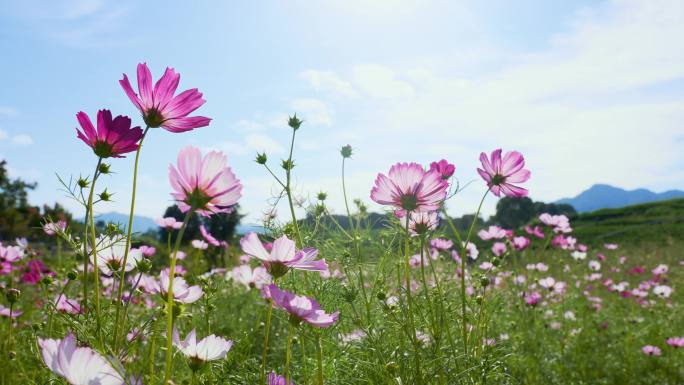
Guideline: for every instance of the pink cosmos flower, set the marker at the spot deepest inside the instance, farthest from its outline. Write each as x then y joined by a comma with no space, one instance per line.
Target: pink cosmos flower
410,188
547,283
66,305
169,223
147,251
34,270
660,269
651,350
444,168
533,298
110,255
493,232
520,243
182,292
205,185
421,222
199,244
300,307
5,312
500,173
209,348
274,379
79,366
208,237
244,275
610,246
283,255
676,342
662,291
498,248
536,231
560,223
10,254
52,228
471,251
158,105
112,138
441,243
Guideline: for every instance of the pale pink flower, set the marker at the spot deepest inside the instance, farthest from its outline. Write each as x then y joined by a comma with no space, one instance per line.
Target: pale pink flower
199,244
559,223
471,251
158,105
10,254
301,307
676,342
610,246
208,237
501,173
520,243
595,265
541,267
493,232
283,255
547,283
408,187
441,243
147,251
660,269
66,305
244,275
536,231
421,222
651,350
5,312
533,298
662,291
204,184
79,366
110,255
209,348
498,248
354,336
52,228
182,292
169,223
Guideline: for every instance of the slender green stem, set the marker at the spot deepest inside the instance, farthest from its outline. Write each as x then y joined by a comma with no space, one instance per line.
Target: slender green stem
86,220
9,326
319,359
153,344
288,354
288,191
267,332
407,273
170,298
129,228
433,316
464,257
93,243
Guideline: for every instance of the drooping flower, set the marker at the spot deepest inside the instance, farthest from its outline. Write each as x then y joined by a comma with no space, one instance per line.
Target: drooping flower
110,255
274,379
208,237
282,256
421,222
444,168
209,348
169,223
493,232
112,138
204,184
244,275
79,366
182,292
408,187
52,228
300,307
651,350
66,305
501,173
159,106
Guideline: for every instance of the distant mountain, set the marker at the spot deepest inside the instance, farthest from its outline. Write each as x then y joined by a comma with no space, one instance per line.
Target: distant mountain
140,223
602,196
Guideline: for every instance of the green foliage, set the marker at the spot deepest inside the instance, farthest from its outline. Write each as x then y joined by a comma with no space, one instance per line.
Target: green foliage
512,213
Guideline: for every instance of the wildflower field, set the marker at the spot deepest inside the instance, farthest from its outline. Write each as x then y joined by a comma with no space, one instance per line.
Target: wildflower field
404,297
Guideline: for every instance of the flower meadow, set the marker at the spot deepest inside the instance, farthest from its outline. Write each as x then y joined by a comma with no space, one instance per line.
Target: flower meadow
316,301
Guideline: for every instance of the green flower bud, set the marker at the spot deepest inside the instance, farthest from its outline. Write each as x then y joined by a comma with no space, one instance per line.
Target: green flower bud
322,196
104,168
12,295
484,281
144,265
261,158
83,182
346,151
72,275
294,122
105,196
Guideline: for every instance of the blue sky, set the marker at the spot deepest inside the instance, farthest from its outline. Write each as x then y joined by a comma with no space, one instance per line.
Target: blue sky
590,91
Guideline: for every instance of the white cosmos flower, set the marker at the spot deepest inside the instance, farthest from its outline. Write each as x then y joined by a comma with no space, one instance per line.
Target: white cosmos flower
209,348
110,255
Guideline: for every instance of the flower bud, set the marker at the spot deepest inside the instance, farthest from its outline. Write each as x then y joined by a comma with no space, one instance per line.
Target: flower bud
479,299
346,151
46,280
261,158
294,122
144,265
83,182
322,196
12,295
72,275
104,168
484,281
287,164
105,196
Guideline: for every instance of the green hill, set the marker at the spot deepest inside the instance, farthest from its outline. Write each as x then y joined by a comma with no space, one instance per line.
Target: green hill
657,222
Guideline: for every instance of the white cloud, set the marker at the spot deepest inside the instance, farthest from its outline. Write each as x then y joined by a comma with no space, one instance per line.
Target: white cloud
261,143
328,81
380,81
8,111
22,140
312,111
3,134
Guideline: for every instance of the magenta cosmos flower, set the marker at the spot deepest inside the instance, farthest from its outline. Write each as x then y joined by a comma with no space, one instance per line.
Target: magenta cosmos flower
112,138
208,237
444,168
79,366
651,350
301,308
408,187
204,184
500,173
676,342
157,104
282,255
274,379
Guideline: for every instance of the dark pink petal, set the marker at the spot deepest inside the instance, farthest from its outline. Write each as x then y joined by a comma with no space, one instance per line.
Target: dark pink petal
183,104
486,164
145,85
126,85
496,161
87,125
165,87
186,124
